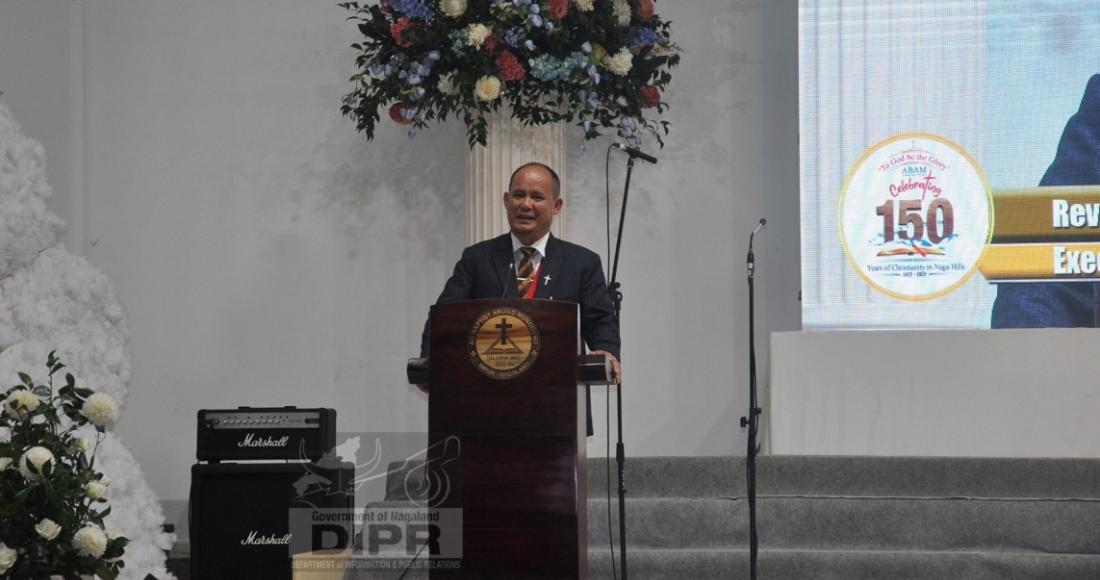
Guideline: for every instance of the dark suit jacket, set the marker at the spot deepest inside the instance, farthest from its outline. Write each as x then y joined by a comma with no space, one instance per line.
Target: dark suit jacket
1077,162
487,270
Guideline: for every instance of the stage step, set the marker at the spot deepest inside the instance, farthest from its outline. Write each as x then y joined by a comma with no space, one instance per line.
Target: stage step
671,564
854,476
850,523
850,518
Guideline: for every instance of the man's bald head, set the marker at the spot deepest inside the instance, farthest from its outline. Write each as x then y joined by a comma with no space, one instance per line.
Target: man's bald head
542,166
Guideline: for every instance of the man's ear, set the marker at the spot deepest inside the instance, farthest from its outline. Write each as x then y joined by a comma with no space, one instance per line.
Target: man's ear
558,202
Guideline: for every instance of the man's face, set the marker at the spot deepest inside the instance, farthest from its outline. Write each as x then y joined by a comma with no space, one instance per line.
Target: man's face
531,203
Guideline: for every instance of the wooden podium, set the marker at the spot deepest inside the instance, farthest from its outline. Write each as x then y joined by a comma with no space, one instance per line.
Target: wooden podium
503,377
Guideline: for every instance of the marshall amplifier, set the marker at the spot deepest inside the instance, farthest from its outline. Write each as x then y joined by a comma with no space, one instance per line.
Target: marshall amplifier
265,433
248,519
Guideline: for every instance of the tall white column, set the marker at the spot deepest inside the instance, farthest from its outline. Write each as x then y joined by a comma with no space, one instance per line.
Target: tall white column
509,145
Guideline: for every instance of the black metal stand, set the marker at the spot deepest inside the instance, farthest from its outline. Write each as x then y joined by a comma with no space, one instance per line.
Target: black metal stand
752,421
617,299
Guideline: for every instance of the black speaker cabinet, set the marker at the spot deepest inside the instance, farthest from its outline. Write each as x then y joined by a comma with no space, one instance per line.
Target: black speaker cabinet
242,515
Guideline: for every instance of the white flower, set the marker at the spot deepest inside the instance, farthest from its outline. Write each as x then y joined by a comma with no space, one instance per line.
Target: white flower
113,534
585,5
5,434
453,8
447,84
48,529
477,33
21,403
487,88
37,457
100,409
621,63
81,444
95,489
90,541
7,557
4,463
621,10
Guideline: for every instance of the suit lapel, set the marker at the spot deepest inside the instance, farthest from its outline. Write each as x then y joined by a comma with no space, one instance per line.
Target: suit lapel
503,263
549,269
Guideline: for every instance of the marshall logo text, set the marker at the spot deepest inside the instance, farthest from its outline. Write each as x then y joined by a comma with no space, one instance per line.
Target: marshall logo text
250,440
255,539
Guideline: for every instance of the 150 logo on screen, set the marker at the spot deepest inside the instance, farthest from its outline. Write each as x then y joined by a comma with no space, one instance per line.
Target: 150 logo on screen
915,216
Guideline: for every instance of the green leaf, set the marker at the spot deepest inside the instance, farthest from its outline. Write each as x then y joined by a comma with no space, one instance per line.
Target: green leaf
26,380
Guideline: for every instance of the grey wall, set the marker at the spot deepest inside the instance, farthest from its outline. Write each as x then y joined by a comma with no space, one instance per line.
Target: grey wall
267,254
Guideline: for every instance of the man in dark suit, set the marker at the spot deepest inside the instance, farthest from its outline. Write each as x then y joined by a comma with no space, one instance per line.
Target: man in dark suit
1064,304
529,262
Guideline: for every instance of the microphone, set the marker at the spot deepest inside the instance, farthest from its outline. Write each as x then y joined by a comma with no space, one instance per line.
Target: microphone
508,279
750,262
634,153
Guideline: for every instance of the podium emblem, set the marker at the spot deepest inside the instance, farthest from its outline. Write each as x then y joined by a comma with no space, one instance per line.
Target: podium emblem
503,343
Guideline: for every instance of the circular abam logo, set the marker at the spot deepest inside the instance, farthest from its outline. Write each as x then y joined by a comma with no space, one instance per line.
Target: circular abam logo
915,216
503,343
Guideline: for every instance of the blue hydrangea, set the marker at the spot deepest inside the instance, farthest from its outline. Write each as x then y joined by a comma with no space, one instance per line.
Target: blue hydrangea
647,36
547,68
413,9
459,39
577,60
515,36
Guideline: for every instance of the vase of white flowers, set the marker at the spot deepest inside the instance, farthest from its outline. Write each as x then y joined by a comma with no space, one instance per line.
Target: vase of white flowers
52,499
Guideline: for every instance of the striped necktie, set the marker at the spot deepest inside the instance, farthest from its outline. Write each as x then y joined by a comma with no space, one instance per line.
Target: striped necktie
525,271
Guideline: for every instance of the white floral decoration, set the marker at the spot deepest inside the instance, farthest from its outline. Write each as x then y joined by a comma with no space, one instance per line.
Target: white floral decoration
20,403
621,63
477,33
100,409
447,84
585,5
452,8
95,490
26,226
8,557
620,9
90,541
487,88
36,457
47,528
51,299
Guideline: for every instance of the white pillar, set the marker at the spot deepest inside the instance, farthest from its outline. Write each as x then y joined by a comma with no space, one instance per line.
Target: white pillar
509,145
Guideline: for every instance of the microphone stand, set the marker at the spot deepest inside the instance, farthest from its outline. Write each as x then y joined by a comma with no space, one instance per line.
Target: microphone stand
617,299
753,419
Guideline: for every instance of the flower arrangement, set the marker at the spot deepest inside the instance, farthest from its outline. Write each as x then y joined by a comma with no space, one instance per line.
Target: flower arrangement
601,64
52,500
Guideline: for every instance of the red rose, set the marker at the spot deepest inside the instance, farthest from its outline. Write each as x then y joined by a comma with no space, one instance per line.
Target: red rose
510,67
397,31
651,97
397,113
558,9
645,10
490,44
